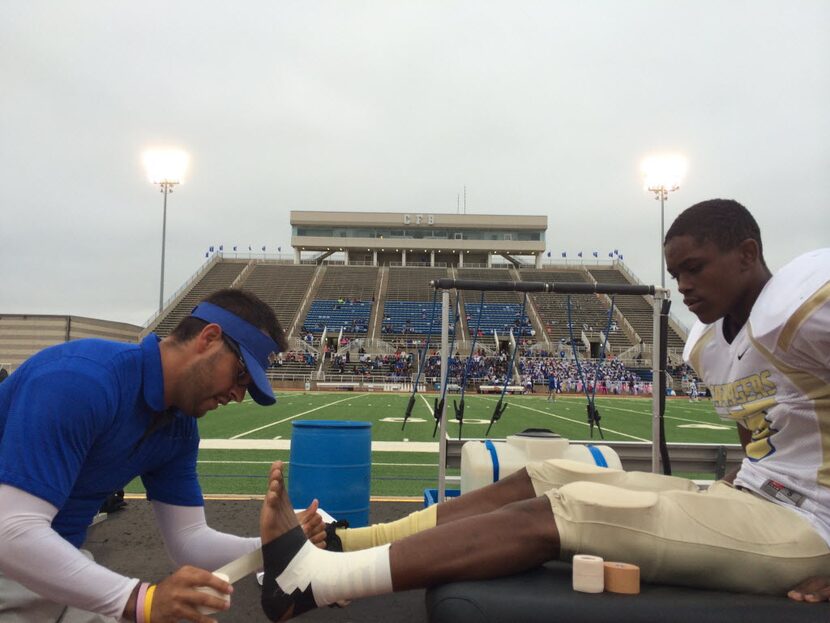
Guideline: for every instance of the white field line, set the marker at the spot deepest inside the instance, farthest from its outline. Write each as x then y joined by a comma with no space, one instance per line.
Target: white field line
286,462
431,410
285,444
665,417
607,430
294,417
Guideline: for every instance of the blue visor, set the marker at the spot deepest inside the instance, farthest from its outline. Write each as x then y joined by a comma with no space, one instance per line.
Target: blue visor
255,346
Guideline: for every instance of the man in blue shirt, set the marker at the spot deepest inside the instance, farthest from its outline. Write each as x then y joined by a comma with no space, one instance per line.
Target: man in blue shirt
82,419
552,386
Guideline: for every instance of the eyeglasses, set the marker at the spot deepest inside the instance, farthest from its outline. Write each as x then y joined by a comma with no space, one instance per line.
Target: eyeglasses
234,348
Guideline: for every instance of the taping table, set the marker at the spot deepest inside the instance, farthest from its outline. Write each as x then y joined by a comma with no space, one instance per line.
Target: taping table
544,595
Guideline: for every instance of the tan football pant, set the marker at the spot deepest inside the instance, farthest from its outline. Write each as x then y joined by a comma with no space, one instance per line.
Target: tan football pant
721,538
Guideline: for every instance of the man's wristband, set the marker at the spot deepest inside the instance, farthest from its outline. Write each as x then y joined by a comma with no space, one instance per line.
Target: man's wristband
144,602
148,603
139,602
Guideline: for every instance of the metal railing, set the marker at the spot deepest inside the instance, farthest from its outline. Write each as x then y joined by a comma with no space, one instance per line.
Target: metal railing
187,284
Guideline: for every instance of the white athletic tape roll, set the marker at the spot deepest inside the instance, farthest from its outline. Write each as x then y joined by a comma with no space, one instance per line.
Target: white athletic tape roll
214,592
588,574
242,566
620,577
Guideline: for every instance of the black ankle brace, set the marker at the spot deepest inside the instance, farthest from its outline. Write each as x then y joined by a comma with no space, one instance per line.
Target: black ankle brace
276,555
333,542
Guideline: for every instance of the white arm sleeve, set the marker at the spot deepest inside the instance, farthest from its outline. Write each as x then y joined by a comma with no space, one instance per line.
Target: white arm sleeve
37,557
189,540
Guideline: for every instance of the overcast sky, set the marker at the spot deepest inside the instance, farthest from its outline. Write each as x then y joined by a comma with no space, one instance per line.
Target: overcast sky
537,107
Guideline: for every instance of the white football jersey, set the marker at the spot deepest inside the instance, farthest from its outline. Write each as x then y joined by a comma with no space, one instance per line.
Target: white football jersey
774,379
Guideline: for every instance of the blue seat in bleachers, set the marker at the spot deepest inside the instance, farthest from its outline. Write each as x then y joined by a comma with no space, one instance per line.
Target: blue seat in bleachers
501,317
411,317
352,317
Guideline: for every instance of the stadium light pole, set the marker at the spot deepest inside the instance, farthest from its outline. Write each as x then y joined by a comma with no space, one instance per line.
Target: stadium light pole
165,167
662,175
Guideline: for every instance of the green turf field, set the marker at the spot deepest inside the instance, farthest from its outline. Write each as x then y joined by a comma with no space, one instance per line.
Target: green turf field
242,471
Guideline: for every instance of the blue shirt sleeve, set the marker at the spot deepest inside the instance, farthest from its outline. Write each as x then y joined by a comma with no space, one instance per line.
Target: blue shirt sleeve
54,418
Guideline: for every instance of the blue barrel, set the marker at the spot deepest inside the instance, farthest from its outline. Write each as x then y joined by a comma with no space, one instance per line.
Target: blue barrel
331,460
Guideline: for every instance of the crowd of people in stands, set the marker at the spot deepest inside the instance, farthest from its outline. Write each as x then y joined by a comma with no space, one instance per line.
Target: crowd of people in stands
609,376
479,368
398,365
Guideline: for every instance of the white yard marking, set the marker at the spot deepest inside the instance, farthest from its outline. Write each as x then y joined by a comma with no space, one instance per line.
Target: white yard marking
238,462
426,402
286,462
288,419
648,413
285,444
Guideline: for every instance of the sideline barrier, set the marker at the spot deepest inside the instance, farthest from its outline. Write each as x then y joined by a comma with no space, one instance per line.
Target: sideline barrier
496,389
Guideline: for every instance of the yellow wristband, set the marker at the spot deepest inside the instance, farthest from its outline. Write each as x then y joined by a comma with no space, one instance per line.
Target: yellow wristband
148,602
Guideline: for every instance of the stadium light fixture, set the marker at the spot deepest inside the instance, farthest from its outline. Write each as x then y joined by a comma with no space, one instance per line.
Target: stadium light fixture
166,168
662,174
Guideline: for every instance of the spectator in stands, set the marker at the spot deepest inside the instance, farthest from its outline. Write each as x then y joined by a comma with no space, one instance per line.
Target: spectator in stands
3,374
763,530
99,414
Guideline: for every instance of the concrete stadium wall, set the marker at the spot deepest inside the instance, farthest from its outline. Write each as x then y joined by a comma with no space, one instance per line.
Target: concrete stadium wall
23,335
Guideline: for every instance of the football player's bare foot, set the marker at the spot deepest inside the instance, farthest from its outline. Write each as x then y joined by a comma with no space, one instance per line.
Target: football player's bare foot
277,515
282,538
298,575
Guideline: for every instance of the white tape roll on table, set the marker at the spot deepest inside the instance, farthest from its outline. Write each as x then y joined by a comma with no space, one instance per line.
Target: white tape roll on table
588,574
214,592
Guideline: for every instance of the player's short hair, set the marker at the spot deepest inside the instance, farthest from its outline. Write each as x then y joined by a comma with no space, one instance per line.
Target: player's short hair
244,304
724,222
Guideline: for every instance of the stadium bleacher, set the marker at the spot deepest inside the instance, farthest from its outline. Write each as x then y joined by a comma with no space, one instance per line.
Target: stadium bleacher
412,317
347,314
396,303
499,317
282,286
588,312
221,275
636,309
407,292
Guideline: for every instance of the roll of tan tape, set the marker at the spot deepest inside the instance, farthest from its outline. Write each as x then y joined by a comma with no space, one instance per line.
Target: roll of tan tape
214,592
620,577
588,574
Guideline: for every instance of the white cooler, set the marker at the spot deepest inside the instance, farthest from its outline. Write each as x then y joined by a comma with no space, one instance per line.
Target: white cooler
485,462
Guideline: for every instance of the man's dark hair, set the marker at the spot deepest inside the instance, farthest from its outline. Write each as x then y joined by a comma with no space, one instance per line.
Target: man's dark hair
724,222
244,304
